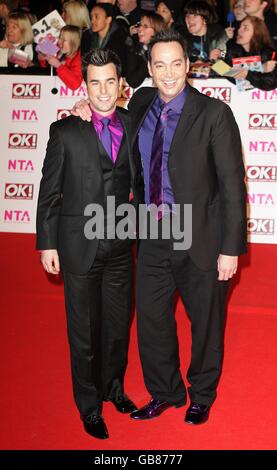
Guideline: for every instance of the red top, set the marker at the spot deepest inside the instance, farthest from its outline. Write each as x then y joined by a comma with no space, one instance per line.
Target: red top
70,72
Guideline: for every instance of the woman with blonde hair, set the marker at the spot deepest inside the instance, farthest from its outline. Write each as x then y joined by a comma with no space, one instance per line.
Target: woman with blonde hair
75,13
68,66
17,49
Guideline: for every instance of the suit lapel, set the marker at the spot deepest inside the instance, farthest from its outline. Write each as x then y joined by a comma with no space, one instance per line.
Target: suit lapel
90,143
190,112
142,112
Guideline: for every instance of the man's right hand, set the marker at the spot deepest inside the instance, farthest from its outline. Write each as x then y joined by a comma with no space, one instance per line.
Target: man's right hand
82,109
50,261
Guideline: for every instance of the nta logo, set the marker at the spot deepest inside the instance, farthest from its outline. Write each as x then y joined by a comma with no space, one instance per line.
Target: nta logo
24,115
260,199
262,146
18,166
20,216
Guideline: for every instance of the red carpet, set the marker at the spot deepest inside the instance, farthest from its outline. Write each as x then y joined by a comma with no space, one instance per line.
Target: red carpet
37,408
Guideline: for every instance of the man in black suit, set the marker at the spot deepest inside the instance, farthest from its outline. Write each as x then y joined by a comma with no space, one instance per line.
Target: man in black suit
200,165
187,150
87,163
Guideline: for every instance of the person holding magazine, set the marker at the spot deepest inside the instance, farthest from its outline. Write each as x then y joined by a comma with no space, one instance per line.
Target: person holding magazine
17,49
254,40
68,65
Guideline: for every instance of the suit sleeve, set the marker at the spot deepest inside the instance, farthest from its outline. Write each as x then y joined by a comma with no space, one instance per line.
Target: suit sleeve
226,146
50,193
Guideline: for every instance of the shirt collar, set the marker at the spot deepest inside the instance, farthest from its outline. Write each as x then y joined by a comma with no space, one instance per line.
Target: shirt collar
176,104
96,117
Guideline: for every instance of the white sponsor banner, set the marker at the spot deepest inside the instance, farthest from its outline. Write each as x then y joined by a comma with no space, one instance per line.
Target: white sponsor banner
28,107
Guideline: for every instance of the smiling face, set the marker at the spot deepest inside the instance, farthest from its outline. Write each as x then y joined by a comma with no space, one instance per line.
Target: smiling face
169,69
102,85
145,30
196,24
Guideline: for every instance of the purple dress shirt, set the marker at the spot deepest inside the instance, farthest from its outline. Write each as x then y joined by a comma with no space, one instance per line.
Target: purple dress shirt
146,135
115,127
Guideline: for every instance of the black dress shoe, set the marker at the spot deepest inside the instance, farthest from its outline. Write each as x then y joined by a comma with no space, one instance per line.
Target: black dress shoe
197,414
123,404
152,410
95,426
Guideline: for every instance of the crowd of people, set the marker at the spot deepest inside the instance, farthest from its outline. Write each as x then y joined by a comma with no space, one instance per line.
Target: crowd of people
124,27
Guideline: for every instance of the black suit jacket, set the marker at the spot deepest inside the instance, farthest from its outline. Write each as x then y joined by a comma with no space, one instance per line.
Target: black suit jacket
206,170
72,179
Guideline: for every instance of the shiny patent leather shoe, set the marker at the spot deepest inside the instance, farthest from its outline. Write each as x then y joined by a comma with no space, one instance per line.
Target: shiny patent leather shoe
152,410
123,404
197,414
95,426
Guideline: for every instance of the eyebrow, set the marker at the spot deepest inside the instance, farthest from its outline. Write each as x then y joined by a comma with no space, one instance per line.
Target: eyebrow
106,80
157,62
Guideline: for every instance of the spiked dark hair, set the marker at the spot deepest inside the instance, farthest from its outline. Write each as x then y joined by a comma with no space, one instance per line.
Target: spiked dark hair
100,57
166,36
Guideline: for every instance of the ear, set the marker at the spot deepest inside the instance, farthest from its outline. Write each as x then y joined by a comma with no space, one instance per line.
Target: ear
149,69
264,5
187,65
109,20
120,83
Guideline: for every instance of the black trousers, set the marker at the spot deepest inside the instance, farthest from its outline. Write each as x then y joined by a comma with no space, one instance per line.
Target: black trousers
161,271
98,308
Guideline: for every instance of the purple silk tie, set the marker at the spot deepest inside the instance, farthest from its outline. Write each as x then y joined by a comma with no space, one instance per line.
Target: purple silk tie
155,180
106,137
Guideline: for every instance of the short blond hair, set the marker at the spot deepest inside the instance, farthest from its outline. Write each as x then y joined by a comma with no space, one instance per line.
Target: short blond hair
23,22
78,12
74,38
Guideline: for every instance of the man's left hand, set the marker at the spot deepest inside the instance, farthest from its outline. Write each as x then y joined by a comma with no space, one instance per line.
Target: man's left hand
227,266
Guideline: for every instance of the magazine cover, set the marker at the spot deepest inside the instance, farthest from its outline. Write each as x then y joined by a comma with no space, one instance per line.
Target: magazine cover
48,28
252,63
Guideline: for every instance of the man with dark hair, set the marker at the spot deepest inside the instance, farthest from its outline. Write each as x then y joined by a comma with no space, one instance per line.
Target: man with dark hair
86,163
187,148
262,9
195,159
